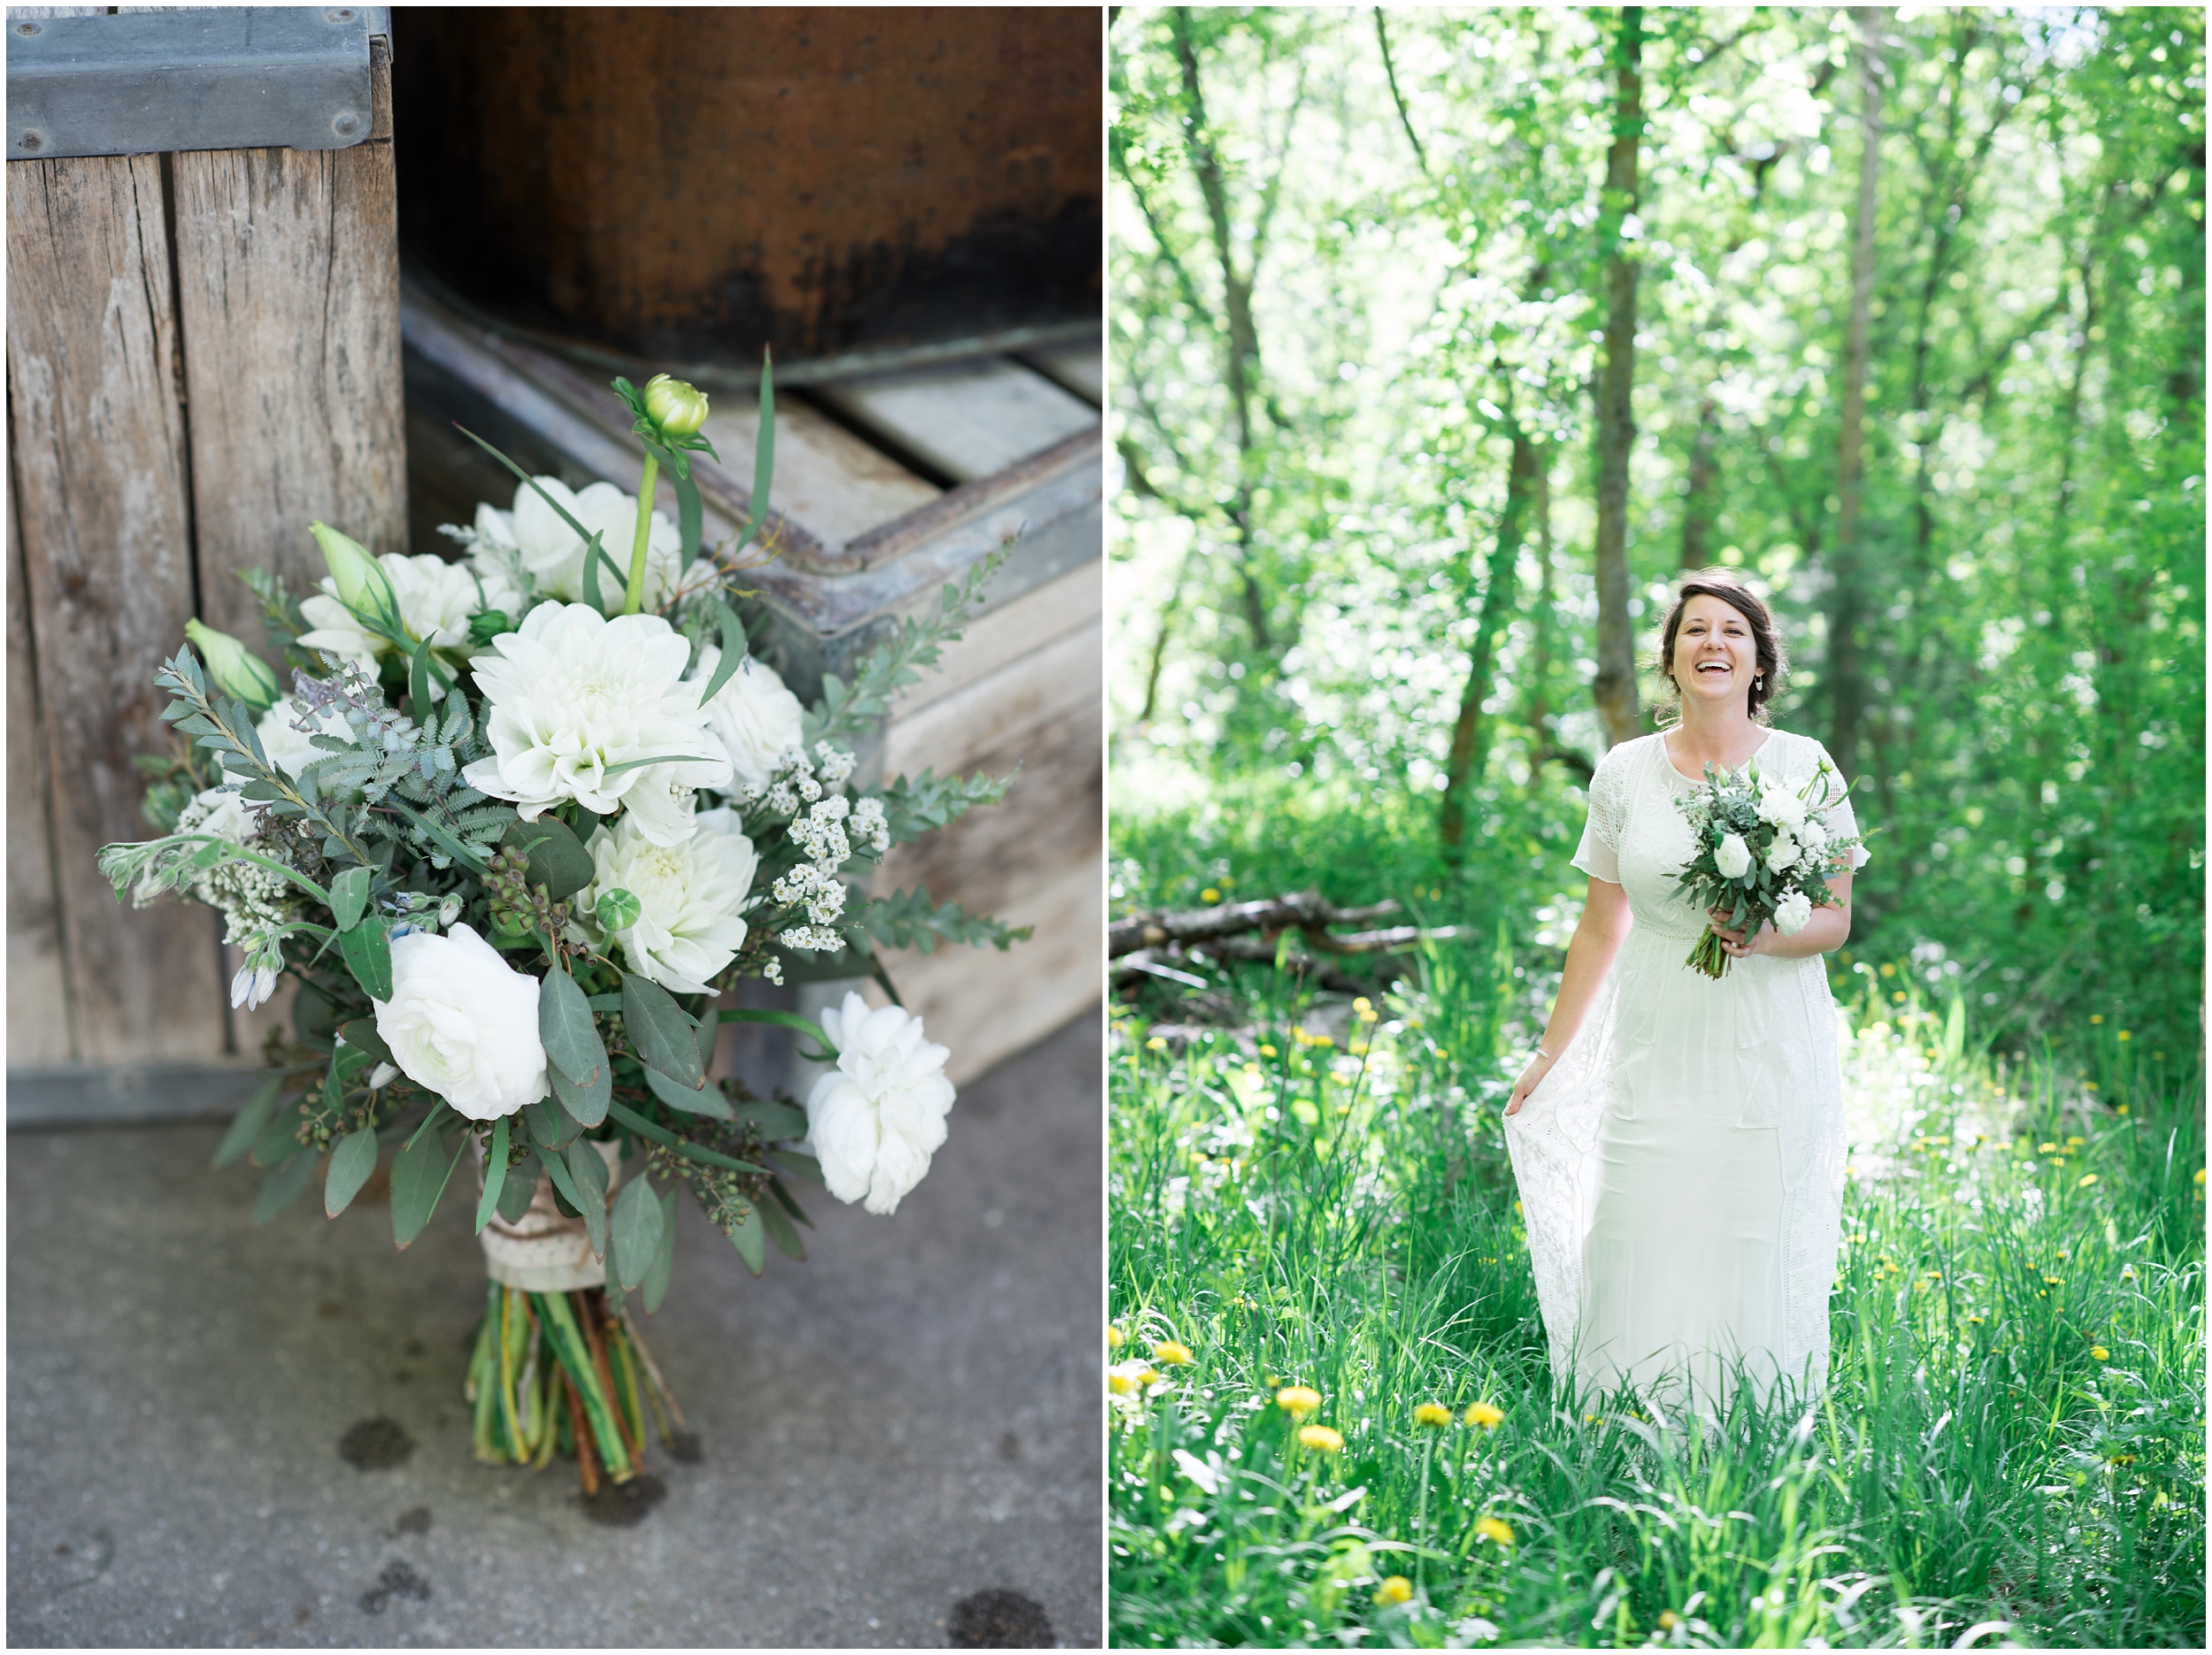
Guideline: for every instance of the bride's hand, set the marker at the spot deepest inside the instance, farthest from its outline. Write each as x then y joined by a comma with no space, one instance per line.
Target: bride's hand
1736,944
1531,1077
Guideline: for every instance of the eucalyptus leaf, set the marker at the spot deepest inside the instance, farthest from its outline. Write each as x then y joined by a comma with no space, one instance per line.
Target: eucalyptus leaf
566,1029
588,1172
661,1035
362,1036
797,1165
279,1140
419,1176
587,1106
558,860
775,1120
367,949
781,1231
551,1127
247,1125
351,1163
282,1187
495,1170
637,1231
350,896
564,1177
749,1237
663,1256
521,1188
708,1100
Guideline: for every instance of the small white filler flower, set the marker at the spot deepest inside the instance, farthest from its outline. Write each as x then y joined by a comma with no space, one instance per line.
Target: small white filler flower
579,704
876,1118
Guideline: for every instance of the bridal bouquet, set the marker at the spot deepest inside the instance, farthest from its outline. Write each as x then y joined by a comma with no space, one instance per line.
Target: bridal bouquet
1764,853
520,822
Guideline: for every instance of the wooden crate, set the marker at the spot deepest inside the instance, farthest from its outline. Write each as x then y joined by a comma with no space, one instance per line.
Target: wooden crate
870,533
203,357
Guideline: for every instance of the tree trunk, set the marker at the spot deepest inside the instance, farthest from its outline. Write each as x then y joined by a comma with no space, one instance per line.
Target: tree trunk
1464,770
1847,691
1697,506
1614,686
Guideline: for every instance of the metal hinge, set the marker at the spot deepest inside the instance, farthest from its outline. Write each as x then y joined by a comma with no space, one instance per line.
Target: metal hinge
212,78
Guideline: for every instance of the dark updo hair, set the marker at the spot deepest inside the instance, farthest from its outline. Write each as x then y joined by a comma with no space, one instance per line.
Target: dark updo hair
1765,638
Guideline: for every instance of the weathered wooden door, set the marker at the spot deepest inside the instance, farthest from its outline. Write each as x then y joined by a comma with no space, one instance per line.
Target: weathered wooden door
203,356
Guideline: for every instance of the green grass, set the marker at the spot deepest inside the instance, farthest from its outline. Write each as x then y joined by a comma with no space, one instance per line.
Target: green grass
1342,1217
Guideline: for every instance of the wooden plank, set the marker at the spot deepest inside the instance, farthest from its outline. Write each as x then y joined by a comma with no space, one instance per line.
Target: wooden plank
968,420
1051,818
1006,633
1080,368
287,266
38,985
98,439
1035,689
986,1006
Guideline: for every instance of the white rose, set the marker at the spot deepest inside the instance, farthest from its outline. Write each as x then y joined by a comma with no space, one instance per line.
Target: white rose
1782,854
1792,912
1732,855
292,749
1778,805
688,895
1812,833
754,717
435,601
876,1119
576,701
463,1023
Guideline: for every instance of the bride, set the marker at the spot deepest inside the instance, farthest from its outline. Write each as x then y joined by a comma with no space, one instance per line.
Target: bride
1678,1140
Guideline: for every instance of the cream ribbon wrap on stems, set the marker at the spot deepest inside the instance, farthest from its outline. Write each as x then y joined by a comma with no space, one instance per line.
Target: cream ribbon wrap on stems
545,1251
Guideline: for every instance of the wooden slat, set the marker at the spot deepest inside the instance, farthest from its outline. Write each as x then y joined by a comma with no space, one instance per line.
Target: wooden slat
101,491
288,267
38,989
968,420
1006,633
826,477
1081,368
994,710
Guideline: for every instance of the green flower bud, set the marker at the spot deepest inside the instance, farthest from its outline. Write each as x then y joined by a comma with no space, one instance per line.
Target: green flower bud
487,625
235,668
363,587
618,910
677,408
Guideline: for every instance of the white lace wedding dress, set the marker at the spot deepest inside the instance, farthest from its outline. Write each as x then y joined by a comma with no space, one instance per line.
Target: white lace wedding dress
1681,1167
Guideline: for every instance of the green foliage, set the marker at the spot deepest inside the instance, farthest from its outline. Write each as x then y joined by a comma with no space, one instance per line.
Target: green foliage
906,919
847,710
2013,1432
1344,288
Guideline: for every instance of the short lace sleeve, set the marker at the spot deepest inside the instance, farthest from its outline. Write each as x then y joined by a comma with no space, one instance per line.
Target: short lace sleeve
1843,822
1599,854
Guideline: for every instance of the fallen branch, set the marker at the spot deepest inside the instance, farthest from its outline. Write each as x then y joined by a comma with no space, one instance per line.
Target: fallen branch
1303,909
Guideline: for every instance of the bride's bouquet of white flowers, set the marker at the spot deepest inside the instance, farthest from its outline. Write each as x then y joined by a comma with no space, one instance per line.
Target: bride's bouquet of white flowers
1766,854
520,821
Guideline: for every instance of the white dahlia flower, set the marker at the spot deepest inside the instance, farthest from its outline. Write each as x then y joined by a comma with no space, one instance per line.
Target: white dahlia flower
1783,854
876,1119
549,548
579,703
463,1023
754,718
290,749
435,601
1732,855
688,895
1778,805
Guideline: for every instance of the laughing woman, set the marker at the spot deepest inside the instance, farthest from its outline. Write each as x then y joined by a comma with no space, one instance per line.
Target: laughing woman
1678,1139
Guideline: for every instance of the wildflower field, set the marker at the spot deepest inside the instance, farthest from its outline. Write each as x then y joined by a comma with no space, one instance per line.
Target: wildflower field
1333,1420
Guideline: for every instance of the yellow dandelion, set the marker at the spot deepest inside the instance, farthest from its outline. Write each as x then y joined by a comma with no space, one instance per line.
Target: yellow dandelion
2096,1017
1396,1590
2100,1353
2044,1149
1210,895
1669,1619
1297,1400
1267,1051
2054,1281
2085,1181
1321,1439
2123,1109
1889,970
1156,1044
1168,1354
1115,1338
1483,1414
2123,1035
1129,1379
1496,1529
2199,1175
1974,1321
1432,1416
2076,1142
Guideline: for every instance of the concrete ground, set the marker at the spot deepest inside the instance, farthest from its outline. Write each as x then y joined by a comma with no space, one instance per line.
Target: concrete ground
908,1419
